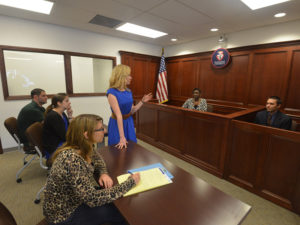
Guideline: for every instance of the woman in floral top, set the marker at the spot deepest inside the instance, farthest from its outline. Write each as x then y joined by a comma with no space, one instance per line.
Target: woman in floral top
196,102
70,195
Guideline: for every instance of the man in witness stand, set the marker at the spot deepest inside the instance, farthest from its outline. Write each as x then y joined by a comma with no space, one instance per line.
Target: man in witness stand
272,116
31,113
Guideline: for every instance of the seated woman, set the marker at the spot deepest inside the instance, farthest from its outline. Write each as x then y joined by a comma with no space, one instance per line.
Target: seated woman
196,102
70,196
56,123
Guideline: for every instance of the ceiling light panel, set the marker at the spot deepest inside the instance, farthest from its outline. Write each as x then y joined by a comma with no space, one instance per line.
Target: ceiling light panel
39,6
139,30
280,15
257,4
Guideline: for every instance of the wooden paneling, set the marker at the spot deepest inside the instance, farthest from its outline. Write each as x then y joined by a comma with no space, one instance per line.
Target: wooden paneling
266,161
268,77
293,101
170,128
211,81
245,150
188,77
282,167
146,121
139,74
227,84
254,73
151,80
200,133
236,79
173,79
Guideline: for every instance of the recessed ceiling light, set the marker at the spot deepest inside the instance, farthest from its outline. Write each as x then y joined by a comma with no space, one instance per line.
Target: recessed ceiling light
39,6
214,29
174,39
139,30
280,15
257,4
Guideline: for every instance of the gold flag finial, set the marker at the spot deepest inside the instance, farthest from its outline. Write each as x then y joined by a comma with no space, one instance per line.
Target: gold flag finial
162,51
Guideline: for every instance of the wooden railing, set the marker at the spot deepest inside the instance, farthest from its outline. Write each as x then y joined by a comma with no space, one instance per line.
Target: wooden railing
226,145
265,161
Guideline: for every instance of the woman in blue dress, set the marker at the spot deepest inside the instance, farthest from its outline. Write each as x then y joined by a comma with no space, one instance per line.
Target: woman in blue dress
120,125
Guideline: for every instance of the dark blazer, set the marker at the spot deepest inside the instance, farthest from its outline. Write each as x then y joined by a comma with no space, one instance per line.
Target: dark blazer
54,131
281,120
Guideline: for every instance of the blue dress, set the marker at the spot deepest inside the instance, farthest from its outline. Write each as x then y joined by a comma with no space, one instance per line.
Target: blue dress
125,101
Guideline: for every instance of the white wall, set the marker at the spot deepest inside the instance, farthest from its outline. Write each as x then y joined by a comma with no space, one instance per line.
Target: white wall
23,33
268,34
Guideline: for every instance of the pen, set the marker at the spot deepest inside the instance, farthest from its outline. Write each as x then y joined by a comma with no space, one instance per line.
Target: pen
161,170
131,173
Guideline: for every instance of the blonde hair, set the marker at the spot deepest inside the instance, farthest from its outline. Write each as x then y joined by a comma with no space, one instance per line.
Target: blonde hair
118,76
75,138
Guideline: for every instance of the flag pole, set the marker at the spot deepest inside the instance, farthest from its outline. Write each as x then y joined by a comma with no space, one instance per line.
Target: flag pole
162,87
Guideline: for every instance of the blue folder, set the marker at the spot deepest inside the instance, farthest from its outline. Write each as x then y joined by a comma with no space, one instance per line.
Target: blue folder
156,165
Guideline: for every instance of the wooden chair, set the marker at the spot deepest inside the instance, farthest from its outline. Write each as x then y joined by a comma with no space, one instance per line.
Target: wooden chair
12,127
210,108
6,218
34,136
294,125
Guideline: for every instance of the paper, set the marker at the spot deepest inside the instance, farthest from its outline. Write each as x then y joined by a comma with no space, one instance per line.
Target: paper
156,165
150,179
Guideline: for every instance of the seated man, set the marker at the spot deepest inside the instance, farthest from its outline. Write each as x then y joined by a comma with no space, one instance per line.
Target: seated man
31,113
272,116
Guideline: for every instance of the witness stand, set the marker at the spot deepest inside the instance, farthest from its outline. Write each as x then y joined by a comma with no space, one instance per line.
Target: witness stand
226,143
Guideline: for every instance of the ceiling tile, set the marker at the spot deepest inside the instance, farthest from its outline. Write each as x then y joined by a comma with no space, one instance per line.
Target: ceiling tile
179,13
107,8
143,5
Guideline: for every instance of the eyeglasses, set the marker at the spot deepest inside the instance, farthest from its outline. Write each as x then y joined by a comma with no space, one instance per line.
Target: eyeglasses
101,129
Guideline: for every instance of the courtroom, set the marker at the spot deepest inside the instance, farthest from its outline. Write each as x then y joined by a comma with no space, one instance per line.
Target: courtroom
141,112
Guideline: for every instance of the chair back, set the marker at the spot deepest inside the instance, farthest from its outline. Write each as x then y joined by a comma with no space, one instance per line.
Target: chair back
6,218
210,108
294,125
34,135
12,127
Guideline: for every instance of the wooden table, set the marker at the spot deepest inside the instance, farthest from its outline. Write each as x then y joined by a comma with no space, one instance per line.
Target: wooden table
187,201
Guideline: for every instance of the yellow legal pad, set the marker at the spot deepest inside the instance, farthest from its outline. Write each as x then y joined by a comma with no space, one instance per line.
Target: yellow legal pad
150,179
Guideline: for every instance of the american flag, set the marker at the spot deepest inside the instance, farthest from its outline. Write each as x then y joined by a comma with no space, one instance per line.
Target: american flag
162,88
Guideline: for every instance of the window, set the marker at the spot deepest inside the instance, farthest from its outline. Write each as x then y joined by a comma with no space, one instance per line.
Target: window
90,75
28,70
77,74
